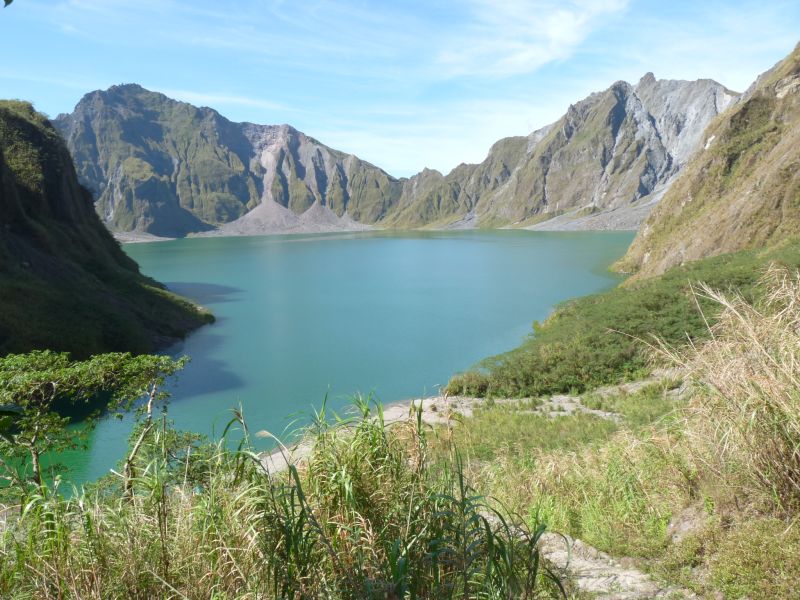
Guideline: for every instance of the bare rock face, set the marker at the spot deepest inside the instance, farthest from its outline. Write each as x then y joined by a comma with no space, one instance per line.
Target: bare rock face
682,110
603,165
300,172
168,168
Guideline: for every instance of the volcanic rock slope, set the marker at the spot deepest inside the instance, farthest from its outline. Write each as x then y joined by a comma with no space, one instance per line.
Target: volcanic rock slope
741,190
169,168
615,151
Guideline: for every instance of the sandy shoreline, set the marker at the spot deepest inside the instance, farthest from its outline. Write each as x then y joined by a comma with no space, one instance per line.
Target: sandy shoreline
436,410
138,237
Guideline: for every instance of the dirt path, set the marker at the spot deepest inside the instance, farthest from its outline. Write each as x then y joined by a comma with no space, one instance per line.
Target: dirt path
597,574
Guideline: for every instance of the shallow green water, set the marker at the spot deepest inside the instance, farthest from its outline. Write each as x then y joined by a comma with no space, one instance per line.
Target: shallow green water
394,314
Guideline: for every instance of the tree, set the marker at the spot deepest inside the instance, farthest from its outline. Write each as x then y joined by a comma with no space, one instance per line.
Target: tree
33,386
8,414
7,2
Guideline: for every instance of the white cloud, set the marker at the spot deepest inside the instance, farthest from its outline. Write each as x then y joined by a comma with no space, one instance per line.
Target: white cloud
512,37
216,100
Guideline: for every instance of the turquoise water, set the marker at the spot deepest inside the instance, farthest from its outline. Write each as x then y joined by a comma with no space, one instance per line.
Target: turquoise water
299,317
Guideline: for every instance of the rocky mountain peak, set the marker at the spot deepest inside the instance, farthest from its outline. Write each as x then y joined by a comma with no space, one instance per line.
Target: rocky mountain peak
647,79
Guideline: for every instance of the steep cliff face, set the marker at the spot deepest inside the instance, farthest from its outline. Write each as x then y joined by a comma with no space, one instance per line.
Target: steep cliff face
742,190
168,168
65,283
612,152
157,165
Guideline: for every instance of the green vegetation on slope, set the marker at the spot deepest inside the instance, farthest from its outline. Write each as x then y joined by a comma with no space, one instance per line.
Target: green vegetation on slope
65,284
602,339
548,468
697,484
523,432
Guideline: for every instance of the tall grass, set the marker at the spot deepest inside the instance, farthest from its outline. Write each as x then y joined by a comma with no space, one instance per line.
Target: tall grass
745,426
717,468
616,494
365,516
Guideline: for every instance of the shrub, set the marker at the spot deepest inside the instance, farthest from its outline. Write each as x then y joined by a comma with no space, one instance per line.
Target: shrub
758,559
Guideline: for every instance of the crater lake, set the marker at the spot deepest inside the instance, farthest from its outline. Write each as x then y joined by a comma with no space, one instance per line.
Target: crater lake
302,317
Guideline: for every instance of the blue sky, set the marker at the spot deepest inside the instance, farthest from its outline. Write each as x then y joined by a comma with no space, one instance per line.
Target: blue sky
403,84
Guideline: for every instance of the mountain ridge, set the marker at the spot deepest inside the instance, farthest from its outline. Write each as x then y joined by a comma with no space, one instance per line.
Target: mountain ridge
166,167
741,190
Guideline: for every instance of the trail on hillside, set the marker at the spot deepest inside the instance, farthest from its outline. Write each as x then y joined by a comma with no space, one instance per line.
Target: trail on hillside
586,569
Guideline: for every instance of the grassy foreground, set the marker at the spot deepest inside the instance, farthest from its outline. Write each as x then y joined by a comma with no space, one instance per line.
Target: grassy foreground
699,484
366,516
698,481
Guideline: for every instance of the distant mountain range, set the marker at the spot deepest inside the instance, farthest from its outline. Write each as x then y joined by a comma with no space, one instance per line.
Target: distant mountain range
168,168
